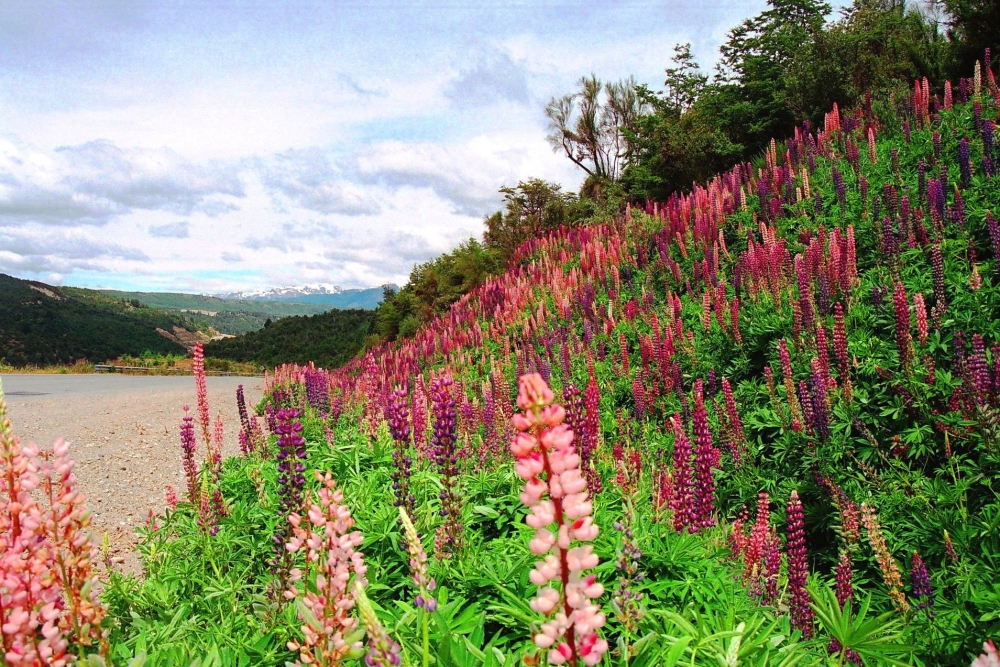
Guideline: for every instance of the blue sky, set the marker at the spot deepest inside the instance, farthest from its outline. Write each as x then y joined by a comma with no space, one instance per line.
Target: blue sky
220,146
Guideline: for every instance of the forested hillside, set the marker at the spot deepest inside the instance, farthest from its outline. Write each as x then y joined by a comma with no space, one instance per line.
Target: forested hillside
329,339
41,324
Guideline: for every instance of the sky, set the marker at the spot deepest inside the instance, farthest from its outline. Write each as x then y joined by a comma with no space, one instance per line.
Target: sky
225,146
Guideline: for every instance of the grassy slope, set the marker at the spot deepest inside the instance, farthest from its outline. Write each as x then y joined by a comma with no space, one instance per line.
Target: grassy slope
329,339
66,324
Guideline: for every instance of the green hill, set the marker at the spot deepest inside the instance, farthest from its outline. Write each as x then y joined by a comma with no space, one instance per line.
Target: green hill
41,324
328,339
228,316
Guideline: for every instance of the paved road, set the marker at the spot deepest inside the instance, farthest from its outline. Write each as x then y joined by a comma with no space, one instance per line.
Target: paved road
123,431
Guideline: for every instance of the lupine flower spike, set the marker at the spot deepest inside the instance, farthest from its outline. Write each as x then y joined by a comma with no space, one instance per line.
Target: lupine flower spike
556,493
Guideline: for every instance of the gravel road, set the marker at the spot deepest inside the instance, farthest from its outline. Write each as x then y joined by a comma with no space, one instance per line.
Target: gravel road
123,433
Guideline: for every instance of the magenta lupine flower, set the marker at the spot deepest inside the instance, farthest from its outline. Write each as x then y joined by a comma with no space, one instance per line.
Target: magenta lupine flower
904,341
920,580
705,458
188,447
844,578
735,423
798,568
937,272
556,493
445,451
591,433
682,500
639,396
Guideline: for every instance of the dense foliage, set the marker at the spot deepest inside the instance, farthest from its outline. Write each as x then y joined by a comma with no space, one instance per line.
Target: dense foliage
42,325
329,339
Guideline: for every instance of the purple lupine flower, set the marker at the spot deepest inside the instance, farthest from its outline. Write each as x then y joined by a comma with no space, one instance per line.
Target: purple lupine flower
839,187
445,451
318,390
844,576
906,130
988,128
291,466
817,390
398,416
705,459
963,162
682,500
979,371
241,406
188,447
994,230
798,568
920,580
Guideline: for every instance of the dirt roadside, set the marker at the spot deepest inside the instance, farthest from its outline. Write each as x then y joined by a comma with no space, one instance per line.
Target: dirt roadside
123,434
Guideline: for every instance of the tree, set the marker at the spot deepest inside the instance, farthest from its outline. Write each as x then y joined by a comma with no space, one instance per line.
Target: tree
589,125
685,81
531,208
973,26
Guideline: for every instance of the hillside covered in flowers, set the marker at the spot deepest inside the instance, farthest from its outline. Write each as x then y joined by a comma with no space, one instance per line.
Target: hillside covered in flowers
757,423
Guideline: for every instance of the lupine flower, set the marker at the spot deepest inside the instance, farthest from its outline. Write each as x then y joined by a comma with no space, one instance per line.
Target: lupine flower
682,500
786,370
291,466
735,423
201,392
188,447
241,406
591,434
921,311
820,414
325,537
921,584
445,451
626,599
548,463
171,498
48,598
418,564
964,163
949,548
890,571
382,650
398,414
904,341
937,271
705,458
844,577
990,656
798,568
419,413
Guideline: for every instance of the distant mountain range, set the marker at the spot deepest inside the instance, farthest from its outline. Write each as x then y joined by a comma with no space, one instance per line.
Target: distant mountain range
242,312
320,294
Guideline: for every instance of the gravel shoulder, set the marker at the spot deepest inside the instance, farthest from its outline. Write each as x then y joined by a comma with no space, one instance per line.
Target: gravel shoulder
123,433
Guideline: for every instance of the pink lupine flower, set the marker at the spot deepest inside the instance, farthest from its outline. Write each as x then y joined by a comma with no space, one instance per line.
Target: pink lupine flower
171,498
330,546
556,493
921,311
904,341
990,657
201,392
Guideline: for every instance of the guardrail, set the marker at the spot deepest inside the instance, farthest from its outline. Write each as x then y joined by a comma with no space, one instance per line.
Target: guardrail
146,370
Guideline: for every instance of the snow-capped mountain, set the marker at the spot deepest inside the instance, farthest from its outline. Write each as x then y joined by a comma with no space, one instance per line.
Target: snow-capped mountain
284,293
